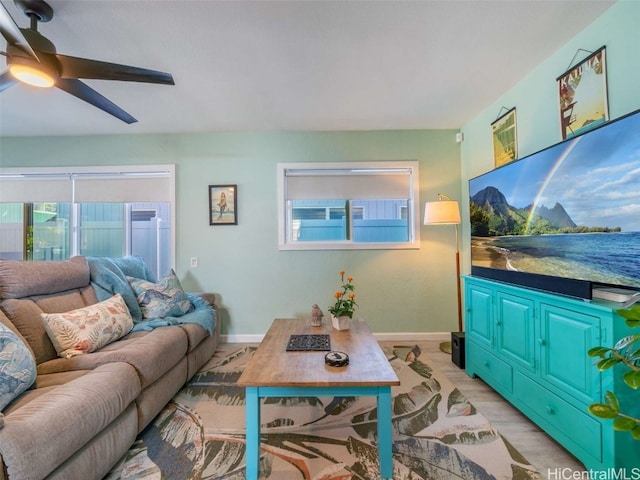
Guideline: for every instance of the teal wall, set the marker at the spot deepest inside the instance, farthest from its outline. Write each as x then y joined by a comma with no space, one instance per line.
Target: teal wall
536,96
398,290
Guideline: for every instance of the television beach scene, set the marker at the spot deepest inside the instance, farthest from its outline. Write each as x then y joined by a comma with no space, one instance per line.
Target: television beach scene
569,211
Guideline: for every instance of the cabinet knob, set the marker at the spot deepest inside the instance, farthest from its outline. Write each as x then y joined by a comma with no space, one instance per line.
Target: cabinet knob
550,410
541,341
498,322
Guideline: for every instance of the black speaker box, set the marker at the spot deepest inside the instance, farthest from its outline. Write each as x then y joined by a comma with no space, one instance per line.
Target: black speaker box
457,348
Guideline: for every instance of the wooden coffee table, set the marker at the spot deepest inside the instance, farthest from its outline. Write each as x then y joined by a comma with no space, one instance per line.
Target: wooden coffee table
275,372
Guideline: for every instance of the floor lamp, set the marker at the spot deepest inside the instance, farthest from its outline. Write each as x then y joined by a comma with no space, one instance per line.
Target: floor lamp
447,212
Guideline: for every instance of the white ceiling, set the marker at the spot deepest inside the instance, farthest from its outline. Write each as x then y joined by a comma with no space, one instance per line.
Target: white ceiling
294,65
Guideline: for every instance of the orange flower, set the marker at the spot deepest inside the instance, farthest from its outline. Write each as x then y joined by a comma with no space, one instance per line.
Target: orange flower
345,302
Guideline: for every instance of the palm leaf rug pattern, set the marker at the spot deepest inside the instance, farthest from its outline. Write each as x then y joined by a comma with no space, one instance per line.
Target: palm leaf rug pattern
438,434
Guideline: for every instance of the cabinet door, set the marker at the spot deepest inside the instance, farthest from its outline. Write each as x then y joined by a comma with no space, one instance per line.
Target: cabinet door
565,338
479,319
515,329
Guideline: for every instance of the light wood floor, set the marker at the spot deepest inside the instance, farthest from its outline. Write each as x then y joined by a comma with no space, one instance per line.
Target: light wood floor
536,446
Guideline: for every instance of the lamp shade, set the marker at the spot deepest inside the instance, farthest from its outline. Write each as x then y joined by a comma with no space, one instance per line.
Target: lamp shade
442,212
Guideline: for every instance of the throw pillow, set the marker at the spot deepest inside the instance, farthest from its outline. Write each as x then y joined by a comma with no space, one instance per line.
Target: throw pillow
17,366
88,329
163,299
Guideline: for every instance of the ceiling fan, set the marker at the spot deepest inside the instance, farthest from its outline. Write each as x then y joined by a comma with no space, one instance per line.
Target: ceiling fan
33,59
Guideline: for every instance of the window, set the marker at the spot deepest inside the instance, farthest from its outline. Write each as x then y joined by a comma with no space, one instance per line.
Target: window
55,213
357,205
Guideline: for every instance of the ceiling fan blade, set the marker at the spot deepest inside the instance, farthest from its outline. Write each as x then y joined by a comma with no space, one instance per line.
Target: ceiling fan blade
12,33
74,67
85,92
6,81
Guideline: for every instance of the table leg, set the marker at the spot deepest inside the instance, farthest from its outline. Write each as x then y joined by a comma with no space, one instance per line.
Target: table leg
252,452
385,433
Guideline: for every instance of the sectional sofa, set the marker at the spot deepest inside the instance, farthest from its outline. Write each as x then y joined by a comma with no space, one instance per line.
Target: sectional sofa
83,403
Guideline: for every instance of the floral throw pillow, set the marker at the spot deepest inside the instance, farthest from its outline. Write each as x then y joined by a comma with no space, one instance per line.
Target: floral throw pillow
17,366
163,299
88,329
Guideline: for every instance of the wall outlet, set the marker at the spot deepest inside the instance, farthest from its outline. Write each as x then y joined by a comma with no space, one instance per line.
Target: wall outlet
194,262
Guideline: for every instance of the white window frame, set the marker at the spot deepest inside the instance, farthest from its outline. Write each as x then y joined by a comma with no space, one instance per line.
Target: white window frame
128,173
284,206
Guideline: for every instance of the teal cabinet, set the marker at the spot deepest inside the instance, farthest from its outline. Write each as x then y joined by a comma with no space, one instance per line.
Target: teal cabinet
531,347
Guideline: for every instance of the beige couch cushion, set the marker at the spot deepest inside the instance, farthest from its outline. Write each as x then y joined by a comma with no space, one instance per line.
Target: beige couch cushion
44,384
24,279
151,353
195,334
23,314
44,433
7,323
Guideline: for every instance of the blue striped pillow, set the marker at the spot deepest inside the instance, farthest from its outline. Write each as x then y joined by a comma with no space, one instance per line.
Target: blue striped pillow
17,366
163,299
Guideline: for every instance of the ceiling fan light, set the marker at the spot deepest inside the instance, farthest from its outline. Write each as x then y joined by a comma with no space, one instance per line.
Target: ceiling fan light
32,75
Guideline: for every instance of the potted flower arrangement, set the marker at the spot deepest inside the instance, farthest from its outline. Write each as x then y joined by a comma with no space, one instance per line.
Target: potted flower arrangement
345,304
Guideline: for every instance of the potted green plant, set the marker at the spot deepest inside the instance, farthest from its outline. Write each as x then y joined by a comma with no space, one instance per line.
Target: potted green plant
345,304
625,352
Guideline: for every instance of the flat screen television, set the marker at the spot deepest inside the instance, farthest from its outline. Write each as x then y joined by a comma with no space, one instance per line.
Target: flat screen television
565,218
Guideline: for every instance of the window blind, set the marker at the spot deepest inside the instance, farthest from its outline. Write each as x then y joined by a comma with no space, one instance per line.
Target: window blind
122,188
89,185
334,184
37,189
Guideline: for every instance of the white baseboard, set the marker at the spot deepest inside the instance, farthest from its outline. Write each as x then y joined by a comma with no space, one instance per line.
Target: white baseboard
381,337
242,338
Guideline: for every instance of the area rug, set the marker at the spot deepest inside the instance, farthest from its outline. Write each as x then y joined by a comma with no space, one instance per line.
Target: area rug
438,434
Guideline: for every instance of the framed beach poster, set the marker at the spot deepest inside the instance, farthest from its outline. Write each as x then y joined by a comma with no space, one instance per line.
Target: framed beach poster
582,94
505,138
223,204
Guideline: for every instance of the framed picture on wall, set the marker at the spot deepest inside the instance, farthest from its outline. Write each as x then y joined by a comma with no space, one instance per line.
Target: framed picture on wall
582,92
505,138
223,204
